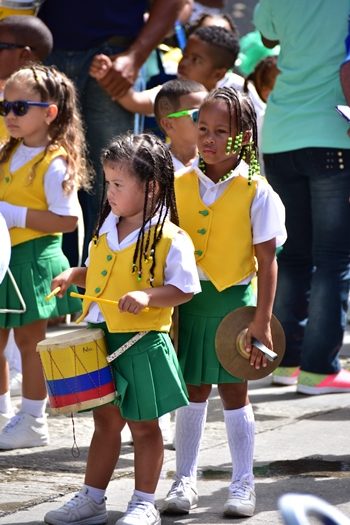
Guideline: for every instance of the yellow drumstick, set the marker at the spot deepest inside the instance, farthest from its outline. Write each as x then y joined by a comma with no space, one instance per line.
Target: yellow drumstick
96,299
53,293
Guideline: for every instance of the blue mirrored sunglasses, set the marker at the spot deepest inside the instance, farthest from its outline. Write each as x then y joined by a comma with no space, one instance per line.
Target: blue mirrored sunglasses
9,45
19,107
193,113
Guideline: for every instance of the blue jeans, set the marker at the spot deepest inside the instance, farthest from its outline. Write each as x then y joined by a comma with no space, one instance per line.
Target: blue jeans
103,120
314,265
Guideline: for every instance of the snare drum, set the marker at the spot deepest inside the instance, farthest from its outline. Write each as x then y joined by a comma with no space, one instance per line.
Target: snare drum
76,371
19,7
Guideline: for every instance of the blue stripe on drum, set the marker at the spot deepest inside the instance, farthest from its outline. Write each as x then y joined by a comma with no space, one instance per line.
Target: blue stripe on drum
80,383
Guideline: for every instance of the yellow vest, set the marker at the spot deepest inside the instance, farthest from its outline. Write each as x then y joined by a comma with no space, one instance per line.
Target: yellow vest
221,232
16,188
110,276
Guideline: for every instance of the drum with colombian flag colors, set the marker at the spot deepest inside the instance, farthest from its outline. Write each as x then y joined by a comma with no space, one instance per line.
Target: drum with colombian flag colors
19,7
76,371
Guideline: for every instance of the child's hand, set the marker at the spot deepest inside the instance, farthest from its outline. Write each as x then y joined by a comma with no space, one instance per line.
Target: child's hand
133,302
263,334
63,280
100,66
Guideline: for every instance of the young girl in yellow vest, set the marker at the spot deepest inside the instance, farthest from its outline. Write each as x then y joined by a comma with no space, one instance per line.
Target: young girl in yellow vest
42,165
233,216
146,264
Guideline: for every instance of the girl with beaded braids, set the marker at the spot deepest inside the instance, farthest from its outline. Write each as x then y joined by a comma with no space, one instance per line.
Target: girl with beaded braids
234,218
42,165
146,265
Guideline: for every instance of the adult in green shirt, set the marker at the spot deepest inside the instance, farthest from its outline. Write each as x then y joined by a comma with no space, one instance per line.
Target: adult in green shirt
307,160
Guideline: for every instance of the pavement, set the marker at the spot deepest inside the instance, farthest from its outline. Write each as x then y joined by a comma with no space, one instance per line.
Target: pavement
302,446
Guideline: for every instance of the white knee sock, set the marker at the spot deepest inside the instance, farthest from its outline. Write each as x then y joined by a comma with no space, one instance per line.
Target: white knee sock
240,427
96,494
5,404
34,407
190,422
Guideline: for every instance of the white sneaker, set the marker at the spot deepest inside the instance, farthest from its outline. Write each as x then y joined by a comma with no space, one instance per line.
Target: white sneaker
139,512
80,510
24,430
5,418
181,498
15,382
241,500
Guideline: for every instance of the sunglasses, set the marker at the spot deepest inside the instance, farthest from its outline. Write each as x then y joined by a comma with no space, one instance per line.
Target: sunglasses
19,107
8,45
193,113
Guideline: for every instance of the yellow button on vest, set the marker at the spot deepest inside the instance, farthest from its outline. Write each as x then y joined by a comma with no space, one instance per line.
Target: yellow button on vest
97,289
109,257
7,179
202,231
198,252
204,212
104,273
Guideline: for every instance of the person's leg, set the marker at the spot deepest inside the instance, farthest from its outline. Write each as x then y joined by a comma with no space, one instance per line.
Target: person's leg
240,428
295,263
330,189
28,428
88,505
190,422
105,446
6,410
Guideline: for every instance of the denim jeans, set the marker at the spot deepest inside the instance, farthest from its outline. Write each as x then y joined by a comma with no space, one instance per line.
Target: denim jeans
103,120
314,265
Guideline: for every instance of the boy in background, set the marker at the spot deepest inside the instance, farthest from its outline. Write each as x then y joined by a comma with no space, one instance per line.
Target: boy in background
176,110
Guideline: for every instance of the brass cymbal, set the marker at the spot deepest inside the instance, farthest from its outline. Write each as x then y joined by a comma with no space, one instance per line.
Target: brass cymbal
229,344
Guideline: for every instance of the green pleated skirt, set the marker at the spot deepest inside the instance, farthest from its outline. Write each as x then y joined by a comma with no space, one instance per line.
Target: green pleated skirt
34,264
147,376
198,322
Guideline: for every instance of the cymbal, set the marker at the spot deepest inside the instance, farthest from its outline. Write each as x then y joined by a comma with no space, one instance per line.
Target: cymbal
229,344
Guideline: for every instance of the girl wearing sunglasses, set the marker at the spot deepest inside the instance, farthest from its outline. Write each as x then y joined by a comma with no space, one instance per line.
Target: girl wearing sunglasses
42,165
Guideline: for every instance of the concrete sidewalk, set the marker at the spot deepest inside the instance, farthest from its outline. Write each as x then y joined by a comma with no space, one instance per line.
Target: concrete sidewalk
302,445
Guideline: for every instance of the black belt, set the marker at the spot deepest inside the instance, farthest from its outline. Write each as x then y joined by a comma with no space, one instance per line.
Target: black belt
120,41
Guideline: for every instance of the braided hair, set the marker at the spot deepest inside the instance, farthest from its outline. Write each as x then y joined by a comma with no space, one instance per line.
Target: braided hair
242,114
66,130
148,159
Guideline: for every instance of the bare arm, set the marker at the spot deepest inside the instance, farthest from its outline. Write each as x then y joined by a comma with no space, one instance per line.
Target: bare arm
158,297
345,80
48,222
138,101
267,279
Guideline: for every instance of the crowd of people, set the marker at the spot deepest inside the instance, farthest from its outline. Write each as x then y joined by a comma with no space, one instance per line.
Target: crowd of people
212,172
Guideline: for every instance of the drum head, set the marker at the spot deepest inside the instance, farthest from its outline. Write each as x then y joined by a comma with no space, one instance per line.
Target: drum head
227,340
5,252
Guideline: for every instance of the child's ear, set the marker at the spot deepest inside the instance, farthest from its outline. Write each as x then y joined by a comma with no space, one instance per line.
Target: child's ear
219,73
26,56
51,113
166,124
247,136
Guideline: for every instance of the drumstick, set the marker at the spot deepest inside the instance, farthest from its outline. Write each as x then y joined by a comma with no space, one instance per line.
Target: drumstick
97,299
53,293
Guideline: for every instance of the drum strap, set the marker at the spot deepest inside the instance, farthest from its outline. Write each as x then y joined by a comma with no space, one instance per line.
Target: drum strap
125,346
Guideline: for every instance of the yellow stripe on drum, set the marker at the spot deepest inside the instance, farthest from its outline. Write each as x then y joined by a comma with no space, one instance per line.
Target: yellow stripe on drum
73,354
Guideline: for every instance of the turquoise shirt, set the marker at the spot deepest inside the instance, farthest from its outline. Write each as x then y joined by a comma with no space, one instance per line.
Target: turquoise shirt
301,111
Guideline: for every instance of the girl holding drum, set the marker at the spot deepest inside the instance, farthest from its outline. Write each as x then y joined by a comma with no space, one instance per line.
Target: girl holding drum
42,165
145,263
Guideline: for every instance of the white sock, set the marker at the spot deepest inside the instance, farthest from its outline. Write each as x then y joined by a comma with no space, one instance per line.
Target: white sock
34,407
240,428
98,495
190,422
5,404
145,496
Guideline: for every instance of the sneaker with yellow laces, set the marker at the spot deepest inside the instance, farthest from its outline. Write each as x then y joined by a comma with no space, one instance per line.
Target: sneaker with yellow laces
285,375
